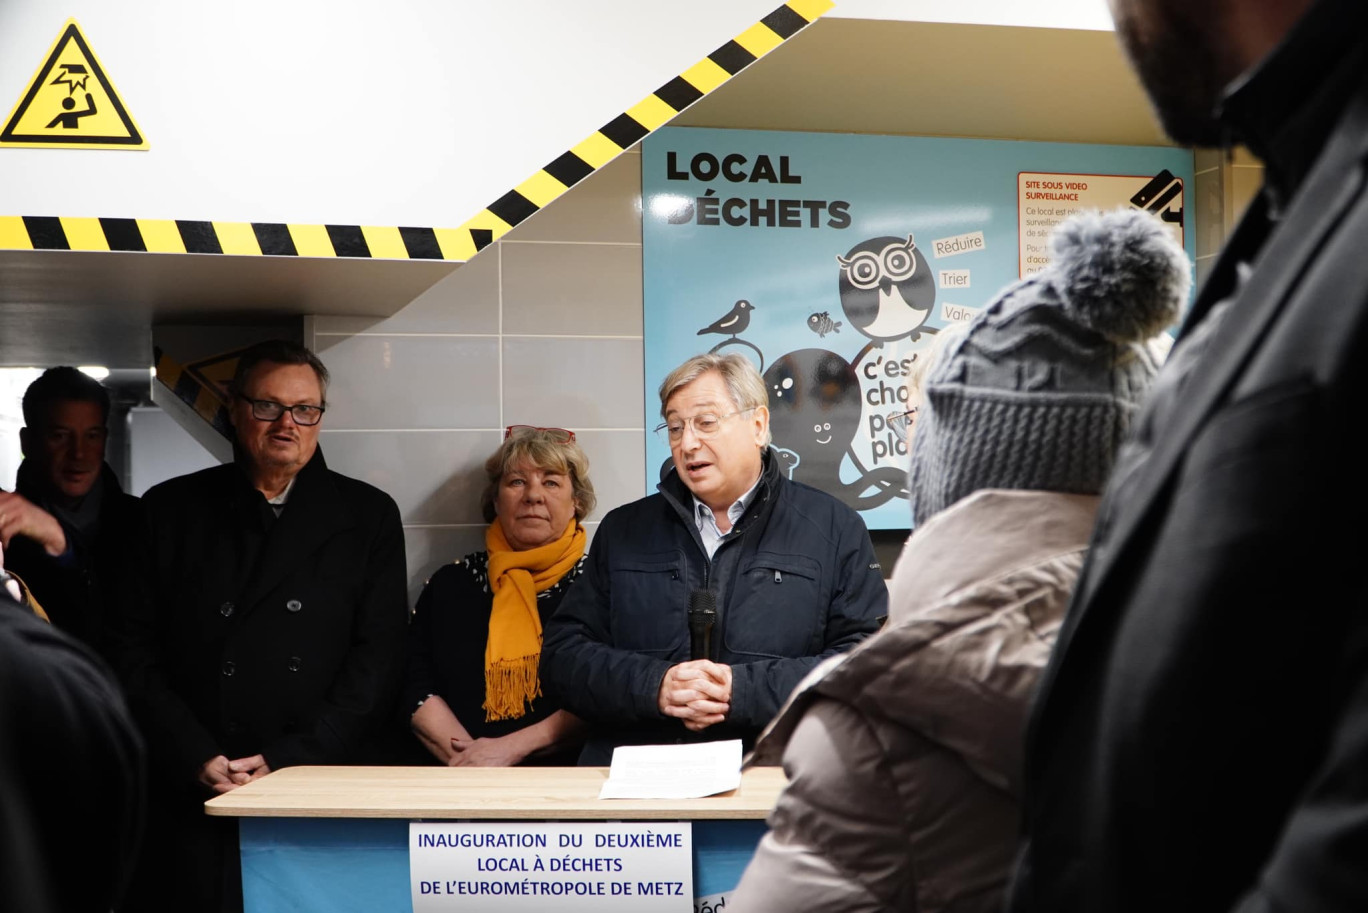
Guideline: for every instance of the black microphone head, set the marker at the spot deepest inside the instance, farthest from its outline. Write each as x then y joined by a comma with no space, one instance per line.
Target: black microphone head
702,602
702,616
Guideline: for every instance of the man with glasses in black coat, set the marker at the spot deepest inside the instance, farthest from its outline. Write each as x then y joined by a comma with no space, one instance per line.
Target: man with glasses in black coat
270,630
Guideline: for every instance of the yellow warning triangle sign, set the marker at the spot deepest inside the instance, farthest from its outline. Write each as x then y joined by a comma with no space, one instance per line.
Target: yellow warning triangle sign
71,103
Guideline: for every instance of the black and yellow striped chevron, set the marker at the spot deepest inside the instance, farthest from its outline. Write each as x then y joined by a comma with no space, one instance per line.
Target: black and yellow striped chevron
404,243
192,390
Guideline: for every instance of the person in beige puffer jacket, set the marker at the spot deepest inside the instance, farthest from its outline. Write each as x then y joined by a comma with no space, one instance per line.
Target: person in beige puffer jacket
904,757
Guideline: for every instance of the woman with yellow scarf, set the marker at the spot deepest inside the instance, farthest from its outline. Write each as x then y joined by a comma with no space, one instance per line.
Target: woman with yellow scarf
475,639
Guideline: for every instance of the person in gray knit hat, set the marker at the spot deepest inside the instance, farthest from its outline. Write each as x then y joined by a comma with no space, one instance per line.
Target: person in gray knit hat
904,757
1040,390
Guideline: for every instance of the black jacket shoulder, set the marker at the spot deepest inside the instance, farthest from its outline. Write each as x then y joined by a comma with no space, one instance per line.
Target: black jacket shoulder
228,481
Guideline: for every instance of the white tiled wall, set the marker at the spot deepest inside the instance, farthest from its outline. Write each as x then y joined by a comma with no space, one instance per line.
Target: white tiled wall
541,328
410,382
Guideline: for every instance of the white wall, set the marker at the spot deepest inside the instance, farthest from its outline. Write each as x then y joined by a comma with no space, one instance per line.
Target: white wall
1054,14
541,328
159,449
410,112
13,383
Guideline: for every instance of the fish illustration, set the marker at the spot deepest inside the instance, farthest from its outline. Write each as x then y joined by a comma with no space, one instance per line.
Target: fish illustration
901,422
822,324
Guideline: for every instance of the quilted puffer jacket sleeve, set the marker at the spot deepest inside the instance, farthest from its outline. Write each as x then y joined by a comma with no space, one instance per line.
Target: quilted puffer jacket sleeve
837,838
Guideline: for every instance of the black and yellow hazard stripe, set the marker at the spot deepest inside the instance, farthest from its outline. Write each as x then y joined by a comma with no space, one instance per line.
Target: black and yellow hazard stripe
207,402
278,239
289,240
654,111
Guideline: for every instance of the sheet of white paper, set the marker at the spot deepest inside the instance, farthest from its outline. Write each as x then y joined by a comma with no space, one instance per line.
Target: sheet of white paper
673,771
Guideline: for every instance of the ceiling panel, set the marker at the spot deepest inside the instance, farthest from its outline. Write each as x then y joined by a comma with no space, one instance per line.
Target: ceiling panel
65,307
940,79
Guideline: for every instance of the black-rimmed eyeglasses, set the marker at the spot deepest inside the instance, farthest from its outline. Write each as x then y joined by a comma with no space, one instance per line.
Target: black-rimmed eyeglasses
268,410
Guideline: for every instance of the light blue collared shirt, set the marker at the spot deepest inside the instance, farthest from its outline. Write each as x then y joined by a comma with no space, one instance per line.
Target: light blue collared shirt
706,521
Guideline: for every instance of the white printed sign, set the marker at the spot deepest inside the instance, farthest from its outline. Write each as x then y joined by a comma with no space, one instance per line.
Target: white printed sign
1044,200
967,243
598,866
713,903
954,278
958,313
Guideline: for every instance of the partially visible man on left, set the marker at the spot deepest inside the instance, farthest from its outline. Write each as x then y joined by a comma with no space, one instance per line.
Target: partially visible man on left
67,524
270,632
72,772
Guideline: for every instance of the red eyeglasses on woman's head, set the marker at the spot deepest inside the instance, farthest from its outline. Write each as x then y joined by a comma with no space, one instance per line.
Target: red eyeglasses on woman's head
559,435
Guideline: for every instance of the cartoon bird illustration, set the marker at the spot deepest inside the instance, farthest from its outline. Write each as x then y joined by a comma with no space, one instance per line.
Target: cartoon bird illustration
887,289
788,461
822,324
733,323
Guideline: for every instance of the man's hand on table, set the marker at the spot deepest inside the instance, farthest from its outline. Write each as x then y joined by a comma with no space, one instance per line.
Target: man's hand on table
245,770
222,775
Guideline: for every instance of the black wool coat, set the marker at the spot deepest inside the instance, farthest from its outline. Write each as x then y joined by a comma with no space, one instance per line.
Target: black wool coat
1201,738
77,590
254,634
63,726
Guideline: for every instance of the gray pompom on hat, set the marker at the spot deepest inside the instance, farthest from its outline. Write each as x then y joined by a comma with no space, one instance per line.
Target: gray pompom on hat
1044,384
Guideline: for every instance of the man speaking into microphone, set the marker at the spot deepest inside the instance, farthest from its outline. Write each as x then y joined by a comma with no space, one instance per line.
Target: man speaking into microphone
702,606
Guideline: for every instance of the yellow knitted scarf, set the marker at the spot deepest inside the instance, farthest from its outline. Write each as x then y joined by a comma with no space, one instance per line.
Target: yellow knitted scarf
515,631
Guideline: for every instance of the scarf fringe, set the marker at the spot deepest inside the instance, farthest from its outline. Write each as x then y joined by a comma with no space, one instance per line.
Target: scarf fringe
510,687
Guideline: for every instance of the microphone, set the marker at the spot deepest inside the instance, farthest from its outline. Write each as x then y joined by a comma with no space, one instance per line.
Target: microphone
702,617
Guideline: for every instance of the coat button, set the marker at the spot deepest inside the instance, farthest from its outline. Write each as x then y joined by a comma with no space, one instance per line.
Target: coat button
294,605
294,664
226,609
229,668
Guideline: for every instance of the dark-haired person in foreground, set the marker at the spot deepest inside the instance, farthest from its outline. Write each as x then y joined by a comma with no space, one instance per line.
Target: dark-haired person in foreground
1201,738
66,527
72,773
272,631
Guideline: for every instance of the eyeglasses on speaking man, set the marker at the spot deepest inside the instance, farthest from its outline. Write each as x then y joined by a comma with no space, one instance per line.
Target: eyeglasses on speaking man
704,425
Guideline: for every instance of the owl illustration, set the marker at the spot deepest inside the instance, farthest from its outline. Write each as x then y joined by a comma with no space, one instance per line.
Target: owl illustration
887,289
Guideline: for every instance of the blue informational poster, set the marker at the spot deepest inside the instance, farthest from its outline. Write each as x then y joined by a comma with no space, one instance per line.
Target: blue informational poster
831,260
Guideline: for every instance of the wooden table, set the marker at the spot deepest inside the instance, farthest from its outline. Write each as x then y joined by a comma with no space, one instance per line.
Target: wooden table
478,793
336,838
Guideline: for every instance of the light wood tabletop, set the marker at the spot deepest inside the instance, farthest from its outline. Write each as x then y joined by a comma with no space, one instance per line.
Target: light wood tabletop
539,793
